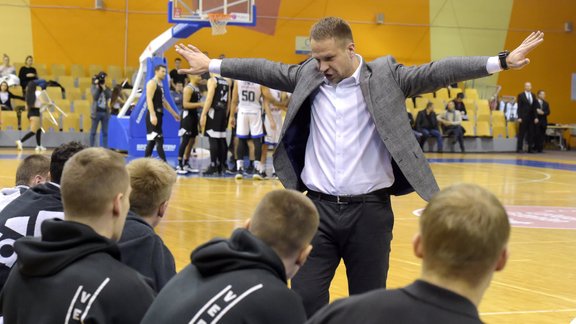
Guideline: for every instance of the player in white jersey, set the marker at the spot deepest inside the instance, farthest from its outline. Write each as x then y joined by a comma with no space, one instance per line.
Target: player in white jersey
247,101
277,102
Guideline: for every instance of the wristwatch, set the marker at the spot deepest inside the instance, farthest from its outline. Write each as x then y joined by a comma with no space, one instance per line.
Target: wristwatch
502,57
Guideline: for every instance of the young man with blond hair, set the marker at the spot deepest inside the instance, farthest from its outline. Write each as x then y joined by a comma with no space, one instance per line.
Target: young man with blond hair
73,274
33,170
142,249
243,279
462,241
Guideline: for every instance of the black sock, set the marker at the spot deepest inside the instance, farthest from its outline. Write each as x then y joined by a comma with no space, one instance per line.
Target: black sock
27,136
39,137
180,163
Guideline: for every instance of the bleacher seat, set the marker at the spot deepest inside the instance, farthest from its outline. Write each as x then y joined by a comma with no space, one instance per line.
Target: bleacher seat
115,73
77,71
9,120
468,127
82,107
94,69
84,83
55,93
48,125
470,105
439,105
71,123
409,103
58,70
499,131
428,95
483,118
67,82
421,103
42,71
483,129
74,94
17,90
483,107
512,128
129,71
64,104
454,92
443,94
471,93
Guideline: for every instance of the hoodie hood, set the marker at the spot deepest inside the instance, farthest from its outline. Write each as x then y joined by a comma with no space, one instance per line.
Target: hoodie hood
241,252
62,243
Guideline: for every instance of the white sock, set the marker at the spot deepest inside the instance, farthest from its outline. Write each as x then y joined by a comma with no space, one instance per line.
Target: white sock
257,166
240,164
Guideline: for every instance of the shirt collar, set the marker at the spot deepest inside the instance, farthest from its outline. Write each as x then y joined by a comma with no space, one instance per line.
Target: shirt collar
354,78
442,298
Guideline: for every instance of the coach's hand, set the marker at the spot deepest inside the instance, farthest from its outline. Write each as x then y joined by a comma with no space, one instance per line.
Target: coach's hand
198,61
517,58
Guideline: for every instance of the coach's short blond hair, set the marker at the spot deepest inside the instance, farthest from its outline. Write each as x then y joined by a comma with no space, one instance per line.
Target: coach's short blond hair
91,180
464,230
286,220
331,27
151,181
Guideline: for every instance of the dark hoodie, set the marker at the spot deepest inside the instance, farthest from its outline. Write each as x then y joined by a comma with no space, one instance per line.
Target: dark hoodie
72,275
240,280
23,217
144,251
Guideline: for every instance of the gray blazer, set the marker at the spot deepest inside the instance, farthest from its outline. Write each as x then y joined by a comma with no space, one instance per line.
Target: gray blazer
385,85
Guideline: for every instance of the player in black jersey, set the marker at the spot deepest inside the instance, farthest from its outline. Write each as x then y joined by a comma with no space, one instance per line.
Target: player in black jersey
188,123
214,122
156,103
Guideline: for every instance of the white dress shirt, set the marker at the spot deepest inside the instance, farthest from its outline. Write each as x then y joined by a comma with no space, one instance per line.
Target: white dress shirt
344,153
528,96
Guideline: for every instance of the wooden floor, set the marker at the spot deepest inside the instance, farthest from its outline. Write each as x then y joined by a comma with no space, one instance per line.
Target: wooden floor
537,286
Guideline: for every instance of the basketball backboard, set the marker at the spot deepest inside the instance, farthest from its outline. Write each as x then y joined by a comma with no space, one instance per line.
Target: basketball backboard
242,12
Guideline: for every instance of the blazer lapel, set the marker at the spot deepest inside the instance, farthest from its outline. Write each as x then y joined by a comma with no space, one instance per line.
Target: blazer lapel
308,86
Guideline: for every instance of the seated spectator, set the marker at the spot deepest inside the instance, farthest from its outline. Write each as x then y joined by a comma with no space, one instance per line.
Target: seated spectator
451,121
142,249
412,124
460,106
6,97
32,171
463,240
243,279
427,125
6,68
73,274
27,73
24,215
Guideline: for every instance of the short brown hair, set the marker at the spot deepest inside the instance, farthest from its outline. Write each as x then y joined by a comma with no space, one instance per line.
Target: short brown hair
285,220
30,167
90,181
464,230
60,156
151,181
331,27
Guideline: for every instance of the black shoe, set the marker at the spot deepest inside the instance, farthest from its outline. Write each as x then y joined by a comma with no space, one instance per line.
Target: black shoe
250,170
440,151
211,171
259,175
239,174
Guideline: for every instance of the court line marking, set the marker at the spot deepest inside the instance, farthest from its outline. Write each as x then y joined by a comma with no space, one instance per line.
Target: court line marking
566,310
538,292
202,220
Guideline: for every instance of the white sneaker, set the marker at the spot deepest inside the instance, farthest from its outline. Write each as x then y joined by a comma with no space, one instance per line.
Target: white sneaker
188,168
181,171
19,145
40,148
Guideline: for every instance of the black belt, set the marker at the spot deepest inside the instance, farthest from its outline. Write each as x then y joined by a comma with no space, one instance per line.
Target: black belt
374,196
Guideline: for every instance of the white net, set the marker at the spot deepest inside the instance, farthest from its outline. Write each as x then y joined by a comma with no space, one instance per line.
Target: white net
218,23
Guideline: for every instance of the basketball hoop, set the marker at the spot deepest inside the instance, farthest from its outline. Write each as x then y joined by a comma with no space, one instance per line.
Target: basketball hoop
218,22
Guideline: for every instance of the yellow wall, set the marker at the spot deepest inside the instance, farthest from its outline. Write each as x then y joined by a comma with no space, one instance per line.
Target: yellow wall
554,62
15,30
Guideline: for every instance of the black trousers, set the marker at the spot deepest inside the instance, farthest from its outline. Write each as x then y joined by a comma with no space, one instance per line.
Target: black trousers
540,136
359,233
525,131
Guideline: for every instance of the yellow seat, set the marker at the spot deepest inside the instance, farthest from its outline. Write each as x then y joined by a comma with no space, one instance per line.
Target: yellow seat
77,71
16,90
42,71
129,71
454,92
483,129
74,94
115,73
409,103
483,118
84,83
67,82
71,123
63,104
428,95
439,104
482,107
82,107
498,119
58,69
512,128
9,120
472,117
421,102
48,125
499,131
471,93
54,93
443,94
468,127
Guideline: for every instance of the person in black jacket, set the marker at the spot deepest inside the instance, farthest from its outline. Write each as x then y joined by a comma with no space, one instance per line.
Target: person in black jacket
27,73
542,114
427,125
24,215
463,239
527,117
73,274
243,279
142,249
